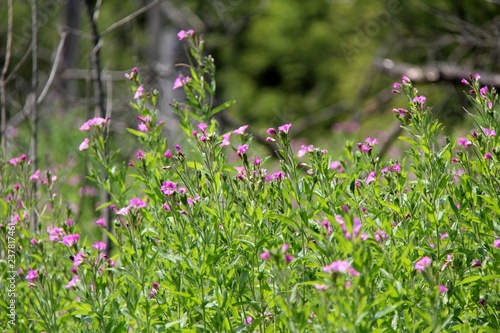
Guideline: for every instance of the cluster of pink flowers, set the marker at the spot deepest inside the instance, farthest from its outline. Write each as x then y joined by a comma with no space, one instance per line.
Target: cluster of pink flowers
94,122
185,34
340,266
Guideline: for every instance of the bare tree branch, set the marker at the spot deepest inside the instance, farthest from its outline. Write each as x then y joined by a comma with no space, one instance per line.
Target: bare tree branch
129,18
2,80
55,66
34,113
434,73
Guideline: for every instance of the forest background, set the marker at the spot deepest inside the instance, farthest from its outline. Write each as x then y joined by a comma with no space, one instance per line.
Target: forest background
323,65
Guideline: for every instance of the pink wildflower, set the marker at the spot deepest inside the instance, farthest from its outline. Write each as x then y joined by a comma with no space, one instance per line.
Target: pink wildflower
464,142
137,203
240,130
496,243
285,128
139,92
181,81
225,139
100,222
69,240
78,259
168,187
55,233
265,255
84,145
185,34
72,283
422,264
371,177
99,246
242,149
123,211
32,276
442,289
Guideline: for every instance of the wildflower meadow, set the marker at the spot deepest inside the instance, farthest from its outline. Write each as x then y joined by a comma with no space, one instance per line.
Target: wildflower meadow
209,236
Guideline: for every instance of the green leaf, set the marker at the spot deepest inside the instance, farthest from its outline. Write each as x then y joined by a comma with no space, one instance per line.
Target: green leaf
221,107
137,133
469,280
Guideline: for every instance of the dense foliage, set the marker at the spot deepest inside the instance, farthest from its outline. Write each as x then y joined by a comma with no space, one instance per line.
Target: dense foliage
206,239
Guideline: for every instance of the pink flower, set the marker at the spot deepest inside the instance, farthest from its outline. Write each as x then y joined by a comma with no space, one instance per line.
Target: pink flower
405,79
396,167
464,142
78,259
100,222
32,276
139,92
340,266
422,264
72,283
225,139
242,149
396,85
285,128
265,255
181,81
496,243
371,141
137,203
123,211
99,246
487,156
84,145
489,132
55,233
94,122
464,81
69,240
288,258
168,187
304,149
320,287
442,289
380,235
185,34
285,247
371,177
142,127
33,241
240,130
420,100
202,127
483,91
35,175
271,131
335,165
248,320
140,155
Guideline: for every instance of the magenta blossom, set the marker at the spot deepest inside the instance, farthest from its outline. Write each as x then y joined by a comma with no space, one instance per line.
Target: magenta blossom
69,240
285,128
304,149
185,34
489,132
137,203
242,149
371,177
168,187
55,233
139,92
240,130
123,211
265,255
225,139
32,276
422,264
181,81
99,246
94,122
72,283
442,289
84,145
100,222
78,259
419,100
340,266
288,258
464,142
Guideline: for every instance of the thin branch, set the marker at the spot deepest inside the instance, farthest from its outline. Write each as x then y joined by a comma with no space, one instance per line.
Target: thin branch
55,66
129,18
434,73
34,84
2,80
19,64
